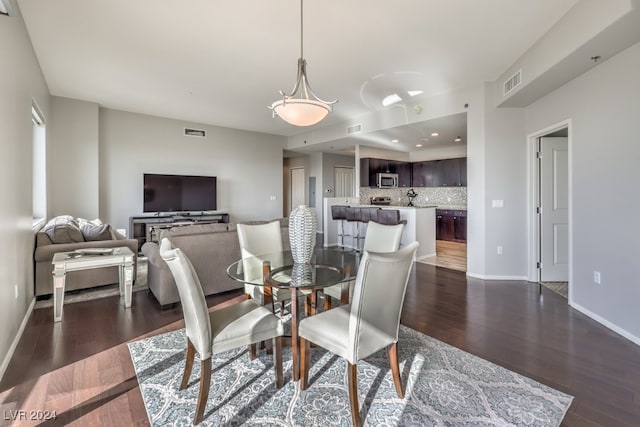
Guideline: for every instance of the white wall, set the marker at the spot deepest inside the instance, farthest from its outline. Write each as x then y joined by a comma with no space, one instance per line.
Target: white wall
604,178
21,82
73,158
248,165
327,182
505,175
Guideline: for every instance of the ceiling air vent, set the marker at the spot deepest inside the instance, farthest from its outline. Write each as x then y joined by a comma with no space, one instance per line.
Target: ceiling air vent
512,83
354,129
200,133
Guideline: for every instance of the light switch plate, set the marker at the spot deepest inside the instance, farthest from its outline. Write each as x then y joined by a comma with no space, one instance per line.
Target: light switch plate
497,203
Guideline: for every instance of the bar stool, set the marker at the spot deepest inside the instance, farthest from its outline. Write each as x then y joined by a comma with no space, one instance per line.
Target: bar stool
339,213
390,217
354,216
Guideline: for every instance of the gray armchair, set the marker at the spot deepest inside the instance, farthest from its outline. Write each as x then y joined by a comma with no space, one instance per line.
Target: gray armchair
369,324
379,238
218,331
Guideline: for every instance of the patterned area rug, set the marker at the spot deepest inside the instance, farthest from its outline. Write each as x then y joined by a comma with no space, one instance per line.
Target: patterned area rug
443,386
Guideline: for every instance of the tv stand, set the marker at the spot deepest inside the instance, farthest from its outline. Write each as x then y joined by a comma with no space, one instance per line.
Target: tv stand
144,228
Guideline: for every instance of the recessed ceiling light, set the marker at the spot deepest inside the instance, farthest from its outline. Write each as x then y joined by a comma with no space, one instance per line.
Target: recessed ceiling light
434,134
394,140
391,99
458,139
425,139
414,92
418,145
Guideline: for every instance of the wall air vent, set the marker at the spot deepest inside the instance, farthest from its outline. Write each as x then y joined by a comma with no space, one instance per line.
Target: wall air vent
512,83
354,129
199,133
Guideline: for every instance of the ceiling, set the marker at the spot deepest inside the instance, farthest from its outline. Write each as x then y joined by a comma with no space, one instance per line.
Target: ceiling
223,62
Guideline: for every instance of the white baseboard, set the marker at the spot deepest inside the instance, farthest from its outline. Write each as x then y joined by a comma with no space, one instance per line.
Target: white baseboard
495,277
425,256
16,340
604,322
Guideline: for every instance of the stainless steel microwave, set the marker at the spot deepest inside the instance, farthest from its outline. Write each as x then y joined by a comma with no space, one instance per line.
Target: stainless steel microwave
387,180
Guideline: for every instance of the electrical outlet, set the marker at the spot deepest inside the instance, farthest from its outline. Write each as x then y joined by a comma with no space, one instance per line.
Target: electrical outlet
273,198
596,277
15,288
499,250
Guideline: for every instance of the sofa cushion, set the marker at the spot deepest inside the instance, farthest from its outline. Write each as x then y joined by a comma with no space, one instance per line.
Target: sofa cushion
63,229
42,239
93,233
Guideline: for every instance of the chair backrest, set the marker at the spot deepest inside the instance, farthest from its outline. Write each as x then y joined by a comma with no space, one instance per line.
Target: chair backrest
389,216
338,212
377,301
194,305
382,238
258,239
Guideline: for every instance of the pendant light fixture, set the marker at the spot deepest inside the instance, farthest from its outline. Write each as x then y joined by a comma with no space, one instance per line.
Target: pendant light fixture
301,107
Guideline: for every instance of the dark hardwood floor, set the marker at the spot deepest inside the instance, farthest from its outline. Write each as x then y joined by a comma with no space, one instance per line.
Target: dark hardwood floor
81,367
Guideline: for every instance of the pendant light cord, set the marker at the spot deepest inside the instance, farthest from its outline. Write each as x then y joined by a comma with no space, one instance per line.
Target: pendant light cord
301,30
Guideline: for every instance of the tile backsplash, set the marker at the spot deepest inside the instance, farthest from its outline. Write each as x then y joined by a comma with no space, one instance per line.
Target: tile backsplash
449,197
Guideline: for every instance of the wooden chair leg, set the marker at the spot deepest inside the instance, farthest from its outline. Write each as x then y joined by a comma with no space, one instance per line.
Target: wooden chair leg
277,361
203,394
312,298
327,302
305,348
188,364
252,351
395,369
352,373
282,308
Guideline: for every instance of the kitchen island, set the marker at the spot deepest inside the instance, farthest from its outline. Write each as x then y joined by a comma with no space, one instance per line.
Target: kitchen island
420,227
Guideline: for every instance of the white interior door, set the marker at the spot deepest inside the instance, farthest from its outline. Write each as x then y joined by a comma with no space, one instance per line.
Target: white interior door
343,181
554,204
297,188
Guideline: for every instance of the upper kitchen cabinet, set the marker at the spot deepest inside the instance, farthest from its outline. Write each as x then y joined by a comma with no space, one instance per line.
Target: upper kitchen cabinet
440,173
433,173
403,169
369,167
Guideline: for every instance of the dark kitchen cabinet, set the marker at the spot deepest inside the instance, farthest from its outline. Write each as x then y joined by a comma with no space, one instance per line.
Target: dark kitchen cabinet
440,173
451,225
370,167
422,174
403,169
444,226
433,173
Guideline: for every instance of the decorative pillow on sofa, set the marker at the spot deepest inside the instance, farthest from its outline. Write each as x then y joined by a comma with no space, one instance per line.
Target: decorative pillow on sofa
63,229
93,232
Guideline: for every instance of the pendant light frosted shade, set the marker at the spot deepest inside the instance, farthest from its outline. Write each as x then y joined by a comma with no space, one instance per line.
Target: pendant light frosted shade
306,109
301,112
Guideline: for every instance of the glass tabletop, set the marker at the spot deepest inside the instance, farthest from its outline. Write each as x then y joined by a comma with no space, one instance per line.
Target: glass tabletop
328,266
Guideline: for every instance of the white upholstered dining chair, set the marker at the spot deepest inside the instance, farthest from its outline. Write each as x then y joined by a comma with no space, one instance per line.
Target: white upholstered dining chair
259,239
209,333
378,238
370,323
262,239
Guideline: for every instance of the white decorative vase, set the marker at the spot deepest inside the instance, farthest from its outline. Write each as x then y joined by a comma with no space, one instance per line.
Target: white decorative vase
302,233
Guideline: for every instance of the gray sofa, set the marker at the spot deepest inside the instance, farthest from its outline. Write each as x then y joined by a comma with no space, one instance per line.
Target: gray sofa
65,233
211,248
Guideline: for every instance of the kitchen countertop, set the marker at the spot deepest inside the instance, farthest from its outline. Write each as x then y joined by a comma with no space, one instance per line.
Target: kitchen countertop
395,206
453,207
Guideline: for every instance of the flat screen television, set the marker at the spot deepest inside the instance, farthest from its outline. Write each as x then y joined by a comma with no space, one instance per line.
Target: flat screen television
179,193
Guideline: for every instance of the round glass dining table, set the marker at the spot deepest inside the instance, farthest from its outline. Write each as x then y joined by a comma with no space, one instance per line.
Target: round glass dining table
328,267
